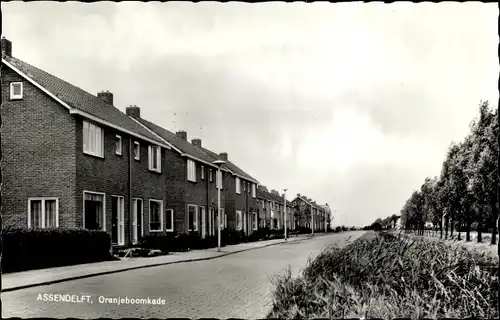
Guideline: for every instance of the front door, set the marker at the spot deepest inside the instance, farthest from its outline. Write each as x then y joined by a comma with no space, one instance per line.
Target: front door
203,222
137,229
117,217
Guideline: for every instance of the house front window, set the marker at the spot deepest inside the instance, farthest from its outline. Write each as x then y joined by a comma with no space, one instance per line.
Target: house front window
155,215
118,145
170,220
43,213
137,151
93,139
254,190
255,221
239,220
94,213
192,217
191,170
238,185
155,158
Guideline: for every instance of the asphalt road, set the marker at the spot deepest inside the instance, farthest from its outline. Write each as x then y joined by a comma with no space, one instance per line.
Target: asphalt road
233,286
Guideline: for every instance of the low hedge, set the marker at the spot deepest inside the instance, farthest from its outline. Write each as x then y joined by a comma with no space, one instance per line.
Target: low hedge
28,249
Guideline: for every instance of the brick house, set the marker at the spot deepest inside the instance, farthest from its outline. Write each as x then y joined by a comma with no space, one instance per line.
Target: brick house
192,191
308,213
71,159
240,190
272,209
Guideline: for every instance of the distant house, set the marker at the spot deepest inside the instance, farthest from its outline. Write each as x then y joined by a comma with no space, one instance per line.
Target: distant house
308,213
272,209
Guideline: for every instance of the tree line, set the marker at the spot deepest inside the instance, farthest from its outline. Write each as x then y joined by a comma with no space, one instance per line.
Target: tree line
464,197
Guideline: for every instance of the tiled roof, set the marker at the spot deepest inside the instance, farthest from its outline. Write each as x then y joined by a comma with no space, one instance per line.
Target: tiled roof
231,166
317,206
181,144
80,99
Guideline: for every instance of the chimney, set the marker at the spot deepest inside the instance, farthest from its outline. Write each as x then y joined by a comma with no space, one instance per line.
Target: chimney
298,194
106,96
223,156
182,134
6,48
132,111
196,142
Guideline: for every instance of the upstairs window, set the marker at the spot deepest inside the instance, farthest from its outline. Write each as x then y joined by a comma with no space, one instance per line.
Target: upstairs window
93,139
210,177
254,190
202,173
154,158
137,151
16,90
238,185
191,170
118,145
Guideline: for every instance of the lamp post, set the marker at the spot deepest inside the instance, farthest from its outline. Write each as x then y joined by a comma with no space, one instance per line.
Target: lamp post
284,206
312,220
218,180
326,222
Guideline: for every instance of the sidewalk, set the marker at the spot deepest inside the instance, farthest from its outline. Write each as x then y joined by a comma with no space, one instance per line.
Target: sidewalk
32,278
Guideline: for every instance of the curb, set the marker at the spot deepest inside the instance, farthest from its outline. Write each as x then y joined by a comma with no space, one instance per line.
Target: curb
95,274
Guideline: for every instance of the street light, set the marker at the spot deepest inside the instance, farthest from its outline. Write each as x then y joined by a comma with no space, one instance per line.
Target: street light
218,163
284,206
312,220
324,212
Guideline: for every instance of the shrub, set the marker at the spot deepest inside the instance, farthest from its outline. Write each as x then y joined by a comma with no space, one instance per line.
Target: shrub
158,241
27,249
385,276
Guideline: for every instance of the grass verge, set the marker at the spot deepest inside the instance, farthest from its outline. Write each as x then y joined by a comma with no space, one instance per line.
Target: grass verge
387,276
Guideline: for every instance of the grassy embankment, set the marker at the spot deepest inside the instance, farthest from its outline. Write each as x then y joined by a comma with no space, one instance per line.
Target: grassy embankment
387,276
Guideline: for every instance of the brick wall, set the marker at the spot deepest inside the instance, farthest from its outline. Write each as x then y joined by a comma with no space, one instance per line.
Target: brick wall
110,175
38,144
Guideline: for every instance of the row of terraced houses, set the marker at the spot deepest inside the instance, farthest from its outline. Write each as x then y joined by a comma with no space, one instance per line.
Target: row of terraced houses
72,159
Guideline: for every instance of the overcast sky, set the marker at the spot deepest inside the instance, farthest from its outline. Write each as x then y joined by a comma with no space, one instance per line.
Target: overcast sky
350,104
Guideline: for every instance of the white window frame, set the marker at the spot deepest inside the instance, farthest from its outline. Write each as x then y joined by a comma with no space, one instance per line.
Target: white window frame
255,221
171,220
86,139
210,174
254,191
161,215
191,170
202,172
195,223
14,96
237,182
138,155
119,149
211,221
151,152
203,213
239,220
134,217
43,199
121,218
103,207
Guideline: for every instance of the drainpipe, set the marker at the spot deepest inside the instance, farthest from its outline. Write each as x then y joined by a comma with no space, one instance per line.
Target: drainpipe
130,204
